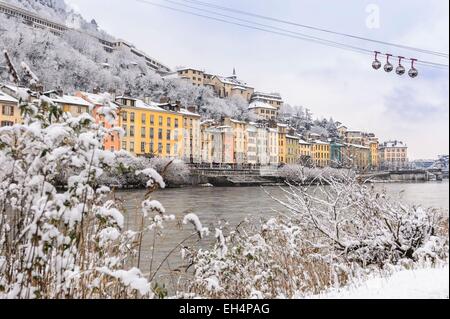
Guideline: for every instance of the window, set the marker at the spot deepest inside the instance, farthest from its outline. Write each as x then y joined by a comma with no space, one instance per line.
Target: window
168,148
8,110
125,129
132,130
124,145
143,118
6,123
151,147
175,135
176,123
143,132
125,116
169,122
152,133
152,119
112,138
160,134
168,135
142,147
160,121
80,110
160,148
132,115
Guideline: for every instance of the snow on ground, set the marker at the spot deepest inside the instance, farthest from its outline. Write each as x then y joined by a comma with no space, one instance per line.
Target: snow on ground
431,283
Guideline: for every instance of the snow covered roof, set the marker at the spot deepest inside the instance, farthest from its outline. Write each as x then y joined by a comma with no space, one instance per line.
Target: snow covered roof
7,98
393,144
142,105
238,122
189,68
97,99
276,97
261,105
303,142
320,143
233,81
358,146
293,137
72,100
188,113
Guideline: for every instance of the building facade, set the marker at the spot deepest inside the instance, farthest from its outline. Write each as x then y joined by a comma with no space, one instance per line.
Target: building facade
357,157
393,155
321,153
263,111
191,150
10,112
150,130
112,141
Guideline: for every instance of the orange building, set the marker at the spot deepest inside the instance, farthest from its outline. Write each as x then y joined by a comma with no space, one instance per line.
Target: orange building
111,142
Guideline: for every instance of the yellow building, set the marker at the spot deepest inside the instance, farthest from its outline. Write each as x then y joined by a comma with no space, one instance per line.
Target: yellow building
191,150
374,144
10,112
149,129
321,154
356,156
196,76
239,129
282,148
292,149
305,152
229,86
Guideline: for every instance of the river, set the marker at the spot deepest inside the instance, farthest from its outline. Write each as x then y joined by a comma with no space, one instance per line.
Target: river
232,204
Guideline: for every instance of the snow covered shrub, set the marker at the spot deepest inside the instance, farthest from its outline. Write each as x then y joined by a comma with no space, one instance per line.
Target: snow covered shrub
302,174
361,224
123,172
331,233
258,259
72,243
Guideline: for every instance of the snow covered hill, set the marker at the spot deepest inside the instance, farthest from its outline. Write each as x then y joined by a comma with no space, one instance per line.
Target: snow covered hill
56,10
429,283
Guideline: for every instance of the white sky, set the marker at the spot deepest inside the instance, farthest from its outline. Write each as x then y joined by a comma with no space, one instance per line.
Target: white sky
331,82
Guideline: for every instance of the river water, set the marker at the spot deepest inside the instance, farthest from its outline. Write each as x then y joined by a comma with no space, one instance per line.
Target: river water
231,204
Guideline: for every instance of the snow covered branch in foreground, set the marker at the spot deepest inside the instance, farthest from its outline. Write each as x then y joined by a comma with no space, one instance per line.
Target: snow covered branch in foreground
71,243
331,236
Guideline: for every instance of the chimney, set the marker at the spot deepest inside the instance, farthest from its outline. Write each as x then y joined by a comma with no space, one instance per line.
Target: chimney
192,109
164,99
59,91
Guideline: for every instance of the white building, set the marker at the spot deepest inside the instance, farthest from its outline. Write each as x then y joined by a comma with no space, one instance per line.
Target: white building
251,137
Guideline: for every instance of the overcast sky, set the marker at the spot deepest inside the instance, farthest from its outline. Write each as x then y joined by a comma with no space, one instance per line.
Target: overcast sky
331,82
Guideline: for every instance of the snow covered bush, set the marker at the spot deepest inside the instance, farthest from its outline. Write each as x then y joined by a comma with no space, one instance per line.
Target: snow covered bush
123,172
70,243
302,174
327,235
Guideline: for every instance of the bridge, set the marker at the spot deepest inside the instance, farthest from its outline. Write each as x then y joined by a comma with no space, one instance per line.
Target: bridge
407,175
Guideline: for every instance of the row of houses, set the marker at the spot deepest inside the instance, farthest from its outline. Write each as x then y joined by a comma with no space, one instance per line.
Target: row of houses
167,129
